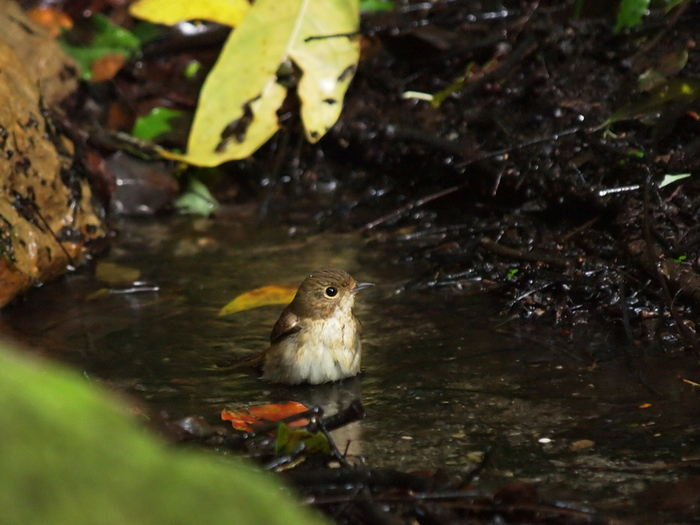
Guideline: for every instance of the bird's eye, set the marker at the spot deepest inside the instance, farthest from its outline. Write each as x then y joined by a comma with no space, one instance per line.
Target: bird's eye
331,291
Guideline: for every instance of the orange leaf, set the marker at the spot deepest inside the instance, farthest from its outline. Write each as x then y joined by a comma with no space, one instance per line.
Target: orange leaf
106,67
246,419
51,19
273,294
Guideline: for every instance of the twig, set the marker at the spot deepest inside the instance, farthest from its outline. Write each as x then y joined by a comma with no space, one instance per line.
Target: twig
532,255
410,206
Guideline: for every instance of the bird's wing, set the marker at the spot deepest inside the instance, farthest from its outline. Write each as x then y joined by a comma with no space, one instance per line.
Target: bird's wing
254,360
286,325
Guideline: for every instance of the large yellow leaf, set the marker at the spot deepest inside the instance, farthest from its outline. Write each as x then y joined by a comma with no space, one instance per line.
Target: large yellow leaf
237,110
171,12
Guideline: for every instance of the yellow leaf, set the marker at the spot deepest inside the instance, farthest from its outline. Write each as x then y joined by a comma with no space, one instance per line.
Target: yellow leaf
264,296
171,12
237,110
115,274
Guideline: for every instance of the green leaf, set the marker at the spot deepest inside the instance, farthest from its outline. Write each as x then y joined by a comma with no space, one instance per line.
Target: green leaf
676,90
290,440
158,122
197,199
670,179
191,69
376,6
108,40
630,14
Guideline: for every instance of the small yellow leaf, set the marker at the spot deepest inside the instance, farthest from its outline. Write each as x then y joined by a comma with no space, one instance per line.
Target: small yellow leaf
264,296
115,274
171,12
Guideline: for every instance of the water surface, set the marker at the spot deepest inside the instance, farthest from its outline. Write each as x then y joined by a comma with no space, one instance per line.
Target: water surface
445,378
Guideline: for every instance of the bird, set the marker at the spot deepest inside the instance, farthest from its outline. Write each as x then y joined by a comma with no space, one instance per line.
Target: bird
317,337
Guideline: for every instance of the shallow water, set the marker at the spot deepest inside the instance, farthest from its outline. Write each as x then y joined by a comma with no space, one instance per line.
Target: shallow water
444,377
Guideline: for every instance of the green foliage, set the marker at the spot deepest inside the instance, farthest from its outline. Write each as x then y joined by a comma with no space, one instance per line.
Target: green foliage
630,14
376,6
72,455
676,92
158,122
291,440
670,178
197,199
193,67
108,40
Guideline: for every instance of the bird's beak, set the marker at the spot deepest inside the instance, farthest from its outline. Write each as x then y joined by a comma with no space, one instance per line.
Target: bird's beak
361,286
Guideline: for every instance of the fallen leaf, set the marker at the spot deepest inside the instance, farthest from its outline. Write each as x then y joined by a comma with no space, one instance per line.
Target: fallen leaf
237,108
581,444
115,274
247,418
105,67
52,19
171,12
272,294
289,441
682,91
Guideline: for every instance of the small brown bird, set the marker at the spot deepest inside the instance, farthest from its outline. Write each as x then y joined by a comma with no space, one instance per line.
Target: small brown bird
317,337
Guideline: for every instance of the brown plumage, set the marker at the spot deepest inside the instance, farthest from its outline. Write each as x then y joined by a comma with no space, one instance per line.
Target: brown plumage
316,338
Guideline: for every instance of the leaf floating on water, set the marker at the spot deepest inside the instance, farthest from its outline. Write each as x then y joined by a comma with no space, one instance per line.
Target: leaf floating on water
272,294
115,274
247,419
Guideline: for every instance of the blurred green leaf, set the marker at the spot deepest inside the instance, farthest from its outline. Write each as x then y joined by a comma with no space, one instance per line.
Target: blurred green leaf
147,31
630,14
290,440
376,6
197,199
158,122
677,90
108,40
193,67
